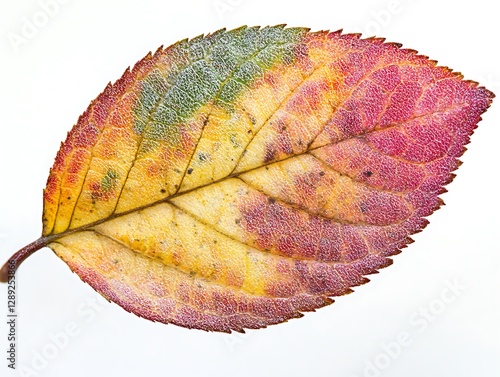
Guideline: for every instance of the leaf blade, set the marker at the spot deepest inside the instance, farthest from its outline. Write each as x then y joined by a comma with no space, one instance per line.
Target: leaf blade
298,175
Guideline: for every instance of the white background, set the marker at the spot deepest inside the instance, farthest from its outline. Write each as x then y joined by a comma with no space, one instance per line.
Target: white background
49,81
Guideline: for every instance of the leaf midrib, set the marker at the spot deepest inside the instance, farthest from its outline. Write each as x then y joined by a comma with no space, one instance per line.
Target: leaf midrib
54,236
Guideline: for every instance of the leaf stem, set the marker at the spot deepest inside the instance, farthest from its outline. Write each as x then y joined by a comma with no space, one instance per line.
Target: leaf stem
10,267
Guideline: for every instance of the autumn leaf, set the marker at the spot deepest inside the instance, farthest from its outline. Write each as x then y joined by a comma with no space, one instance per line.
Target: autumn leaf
239,179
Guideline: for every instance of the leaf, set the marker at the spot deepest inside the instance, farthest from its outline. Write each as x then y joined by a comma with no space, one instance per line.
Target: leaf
239,179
